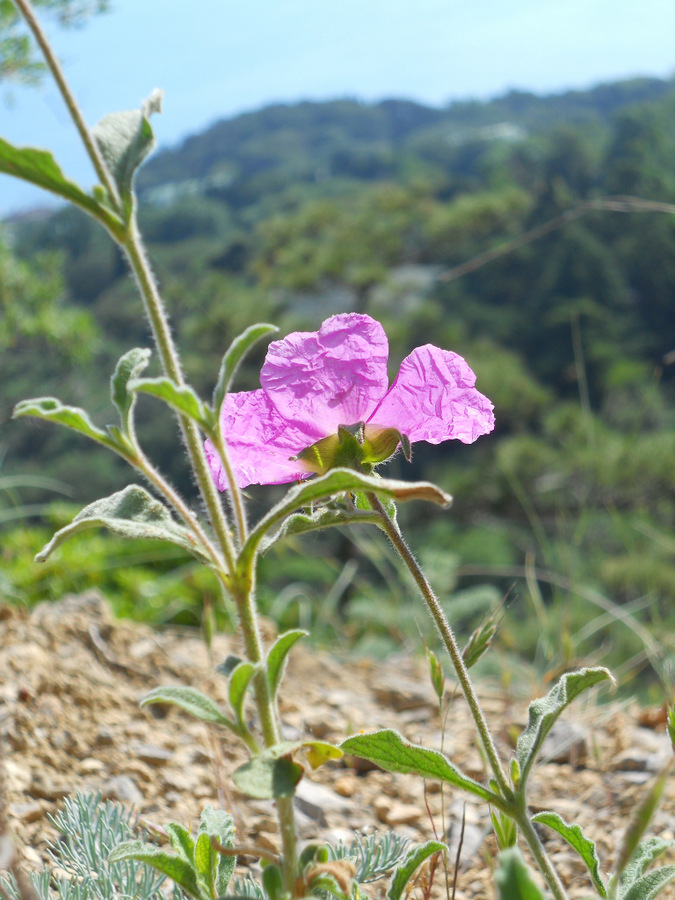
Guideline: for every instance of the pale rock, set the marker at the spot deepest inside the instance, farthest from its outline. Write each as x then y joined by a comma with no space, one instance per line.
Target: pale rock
122,788
315,800
26,812
403,814
565,743
152,754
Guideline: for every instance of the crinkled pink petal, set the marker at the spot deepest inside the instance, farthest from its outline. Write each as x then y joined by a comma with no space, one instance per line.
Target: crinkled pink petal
259,442
434,399
334,376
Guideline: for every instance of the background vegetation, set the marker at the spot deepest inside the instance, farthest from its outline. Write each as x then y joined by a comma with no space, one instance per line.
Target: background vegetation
297,212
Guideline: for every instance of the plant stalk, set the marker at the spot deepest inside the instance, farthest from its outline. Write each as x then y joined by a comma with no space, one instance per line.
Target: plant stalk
243,592
393,533
529,832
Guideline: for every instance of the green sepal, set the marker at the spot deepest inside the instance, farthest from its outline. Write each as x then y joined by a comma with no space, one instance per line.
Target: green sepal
513,878
435,673
176,867
233,357
130,513
273,882
542,713
575,837
391,752
41,169
412,861
323,517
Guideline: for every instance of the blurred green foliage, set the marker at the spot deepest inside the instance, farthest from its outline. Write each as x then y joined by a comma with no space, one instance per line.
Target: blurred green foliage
297,212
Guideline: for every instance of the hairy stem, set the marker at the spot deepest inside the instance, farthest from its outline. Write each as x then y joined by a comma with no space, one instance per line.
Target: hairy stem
511,805
243,592
529,832
393,533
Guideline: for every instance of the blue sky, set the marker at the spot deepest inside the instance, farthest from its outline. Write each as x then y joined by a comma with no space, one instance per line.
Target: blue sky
215,58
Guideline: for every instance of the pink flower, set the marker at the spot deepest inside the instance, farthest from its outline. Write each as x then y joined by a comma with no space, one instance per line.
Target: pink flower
313,382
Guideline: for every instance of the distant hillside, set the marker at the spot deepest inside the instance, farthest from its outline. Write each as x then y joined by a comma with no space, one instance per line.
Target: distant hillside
235,158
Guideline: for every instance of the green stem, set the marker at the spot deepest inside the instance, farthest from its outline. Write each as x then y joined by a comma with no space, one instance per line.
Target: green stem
520,815
393,533
166,348
243,592
235,494
529,832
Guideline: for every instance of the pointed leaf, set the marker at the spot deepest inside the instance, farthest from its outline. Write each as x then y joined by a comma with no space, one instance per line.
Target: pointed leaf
131,513
205,860
339,481
277,656
543,713
128,368
53,410
180,397
40,168
650,885
233,356
634,854
238,684
177,868
324,517
125,139
579,842
413,860
191,701
219,824
514,879
435,673
181,841
393,753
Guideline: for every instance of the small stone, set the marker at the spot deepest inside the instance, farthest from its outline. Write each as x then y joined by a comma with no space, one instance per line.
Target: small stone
90,766
104,737
26,812
152,754
44,787
346,785
403,814
565,743
122,788
471,837
315,800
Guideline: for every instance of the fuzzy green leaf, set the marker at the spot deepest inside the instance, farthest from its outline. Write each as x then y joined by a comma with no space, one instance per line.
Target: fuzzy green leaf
233,357
338,481
324,517
543,713
393,753
191,701
266,777
176,867
181,841
277,656
73,417
219,824
634,854
237,686
650,885
180,397
413,860
513,878
578,841
127,369
125,139
131,513
40,168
